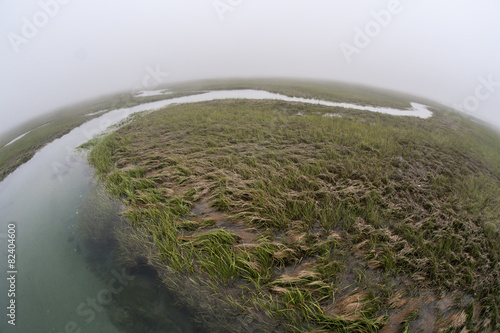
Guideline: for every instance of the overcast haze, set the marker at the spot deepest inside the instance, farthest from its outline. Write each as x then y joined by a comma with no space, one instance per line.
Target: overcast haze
446,50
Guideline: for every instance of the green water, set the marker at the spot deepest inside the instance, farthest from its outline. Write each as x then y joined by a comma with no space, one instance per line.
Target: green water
63,282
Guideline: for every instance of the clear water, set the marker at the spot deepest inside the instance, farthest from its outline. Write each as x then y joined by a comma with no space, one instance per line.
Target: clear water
64,284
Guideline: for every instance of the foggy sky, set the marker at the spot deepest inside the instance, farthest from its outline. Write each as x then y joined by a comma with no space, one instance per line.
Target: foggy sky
57,52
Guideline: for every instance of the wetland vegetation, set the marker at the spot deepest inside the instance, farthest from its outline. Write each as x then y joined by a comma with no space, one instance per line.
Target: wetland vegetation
45,129
273,216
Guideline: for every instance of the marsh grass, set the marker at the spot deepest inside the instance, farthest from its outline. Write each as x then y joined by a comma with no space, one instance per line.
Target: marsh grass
47,128
341,209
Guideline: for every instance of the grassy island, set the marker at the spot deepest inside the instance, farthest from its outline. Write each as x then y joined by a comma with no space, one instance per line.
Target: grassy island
286,217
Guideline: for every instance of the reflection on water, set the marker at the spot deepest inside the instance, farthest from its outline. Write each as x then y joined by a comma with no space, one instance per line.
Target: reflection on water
135,300
99,216
66,283
146,306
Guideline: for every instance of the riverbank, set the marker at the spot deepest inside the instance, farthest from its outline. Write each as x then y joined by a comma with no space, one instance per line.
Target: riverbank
22,143
37,133
272,215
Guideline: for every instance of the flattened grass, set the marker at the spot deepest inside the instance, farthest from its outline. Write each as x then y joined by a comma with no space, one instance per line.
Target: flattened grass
359,204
